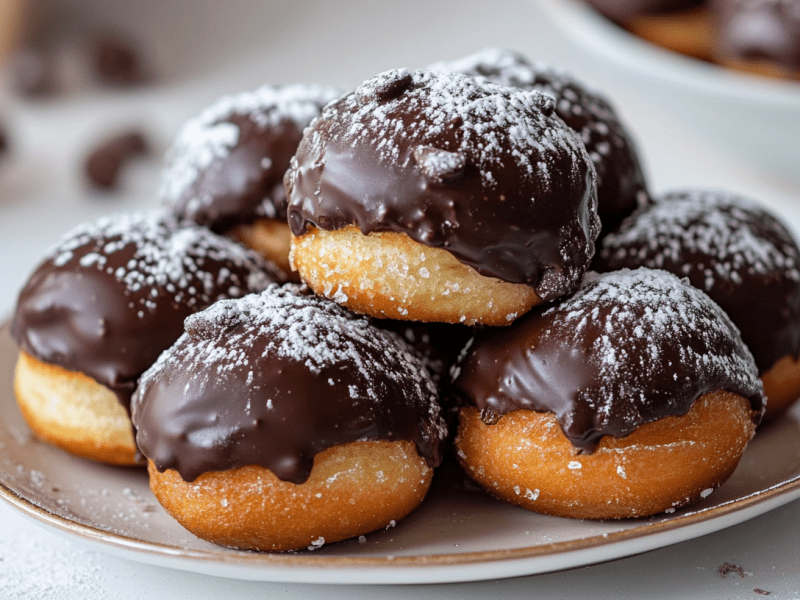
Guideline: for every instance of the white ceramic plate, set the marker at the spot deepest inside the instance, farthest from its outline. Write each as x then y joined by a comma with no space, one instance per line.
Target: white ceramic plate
458,534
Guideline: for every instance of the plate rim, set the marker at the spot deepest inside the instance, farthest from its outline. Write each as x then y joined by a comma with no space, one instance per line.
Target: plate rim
244,561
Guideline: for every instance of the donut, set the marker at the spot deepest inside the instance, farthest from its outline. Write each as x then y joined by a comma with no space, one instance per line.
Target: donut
622,11
101,307
281,421
741,256
621,185
758,36
632,397
225,168
430,196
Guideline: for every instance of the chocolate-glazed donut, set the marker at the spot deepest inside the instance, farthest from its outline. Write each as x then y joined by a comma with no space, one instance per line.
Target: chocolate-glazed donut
267,384
107,300
621,184
441,163
737,253
601,381
758,35
225,168
622,11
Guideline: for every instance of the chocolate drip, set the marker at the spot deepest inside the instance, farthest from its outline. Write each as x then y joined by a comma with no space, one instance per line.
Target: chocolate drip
621,184
272,380
733,250
629,348
113,295
476,169
760,30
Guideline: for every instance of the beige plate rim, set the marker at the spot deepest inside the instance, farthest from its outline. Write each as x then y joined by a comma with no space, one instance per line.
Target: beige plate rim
780,494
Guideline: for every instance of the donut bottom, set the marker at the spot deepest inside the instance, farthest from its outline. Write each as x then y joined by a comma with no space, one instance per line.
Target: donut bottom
353,489
271,238
389,275
72,411
526,460
781,386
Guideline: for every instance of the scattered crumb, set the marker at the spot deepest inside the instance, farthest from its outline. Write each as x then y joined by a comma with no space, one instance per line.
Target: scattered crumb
317,543
726,568
761,592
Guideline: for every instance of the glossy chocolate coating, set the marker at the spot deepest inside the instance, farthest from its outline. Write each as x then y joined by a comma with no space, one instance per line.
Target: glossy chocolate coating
621,184
226,166
622,11
114,293
733,250
759,30
273,379
439,344
629,348
486,172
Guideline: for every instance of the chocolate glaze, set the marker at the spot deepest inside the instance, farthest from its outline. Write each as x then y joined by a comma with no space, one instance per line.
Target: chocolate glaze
226,166
623,11
760,30
629,348
621,184
114,293
733,250
273,379
487,172
439,344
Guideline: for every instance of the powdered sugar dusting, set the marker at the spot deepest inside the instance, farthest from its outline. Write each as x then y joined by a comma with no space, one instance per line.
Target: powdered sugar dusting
582,108
210,136
497,123
716,235
302,328
153,256
657,313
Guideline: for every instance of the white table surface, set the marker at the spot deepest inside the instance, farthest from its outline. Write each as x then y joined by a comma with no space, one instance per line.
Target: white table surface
200,53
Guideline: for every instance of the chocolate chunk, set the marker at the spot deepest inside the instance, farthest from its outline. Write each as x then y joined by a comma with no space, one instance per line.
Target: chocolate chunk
761,592
384,87
116,62
104,163
440,166
35,73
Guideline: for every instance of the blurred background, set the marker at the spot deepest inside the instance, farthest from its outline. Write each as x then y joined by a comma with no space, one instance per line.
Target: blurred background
75,74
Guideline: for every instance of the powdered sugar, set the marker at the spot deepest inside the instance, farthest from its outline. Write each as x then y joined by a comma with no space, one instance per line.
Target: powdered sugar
720,237
152,256
657,314
210,136
582,108
302,328
497,123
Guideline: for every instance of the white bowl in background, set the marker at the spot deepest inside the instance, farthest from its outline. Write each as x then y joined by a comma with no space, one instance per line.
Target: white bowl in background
751,118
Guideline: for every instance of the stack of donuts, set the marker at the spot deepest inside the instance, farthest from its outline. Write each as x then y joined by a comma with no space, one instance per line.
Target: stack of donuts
333,274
